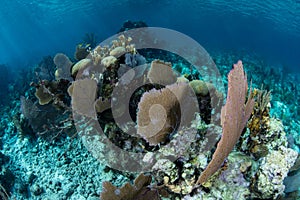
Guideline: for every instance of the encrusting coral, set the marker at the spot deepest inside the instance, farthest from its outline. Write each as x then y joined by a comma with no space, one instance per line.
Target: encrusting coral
273,169
259,121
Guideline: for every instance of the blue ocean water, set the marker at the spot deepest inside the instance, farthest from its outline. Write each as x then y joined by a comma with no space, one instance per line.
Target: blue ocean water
31,29
43,155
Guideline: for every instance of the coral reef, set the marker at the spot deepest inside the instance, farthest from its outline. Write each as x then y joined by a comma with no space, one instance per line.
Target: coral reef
213,161
180,176
47,91
53,104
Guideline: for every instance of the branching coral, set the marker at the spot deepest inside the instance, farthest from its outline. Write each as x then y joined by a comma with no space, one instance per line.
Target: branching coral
119,46
266,133
259,121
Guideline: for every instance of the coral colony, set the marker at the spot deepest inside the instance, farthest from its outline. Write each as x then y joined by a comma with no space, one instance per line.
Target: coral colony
250,158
